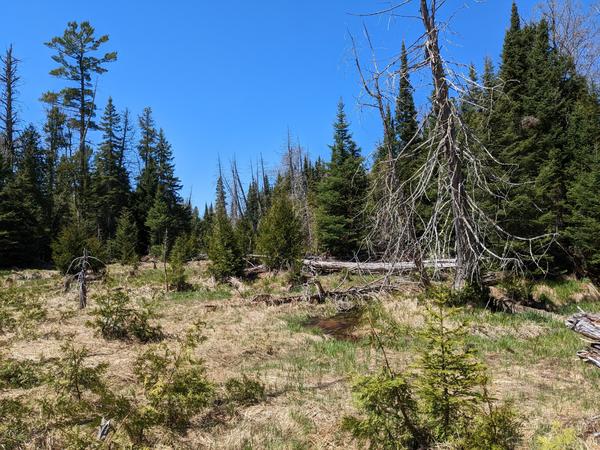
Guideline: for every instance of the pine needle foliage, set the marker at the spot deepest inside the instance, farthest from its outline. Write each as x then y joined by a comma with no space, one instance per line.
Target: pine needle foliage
444,400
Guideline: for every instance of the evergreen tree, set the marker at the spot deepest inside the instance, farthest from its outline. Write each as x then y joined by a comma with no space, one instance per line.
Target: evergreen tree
280,237
110,179
159,224
405,121
168,183
147,180
444,402
223,251
177,258
125,242
77,64
341,195
23,233
56,141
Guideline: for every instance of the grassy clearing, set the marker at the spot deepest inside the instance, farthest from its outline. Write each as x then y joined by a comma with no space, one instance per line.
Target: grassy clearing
293,350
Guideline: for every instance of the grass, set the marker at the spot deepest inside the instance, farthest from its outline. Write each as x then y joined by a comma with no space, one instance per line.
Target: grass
307,372
297,323
221,292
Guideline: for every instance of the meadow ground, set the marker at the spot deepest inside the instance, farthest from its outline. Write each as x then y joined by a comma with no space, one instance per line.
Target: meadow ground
305,355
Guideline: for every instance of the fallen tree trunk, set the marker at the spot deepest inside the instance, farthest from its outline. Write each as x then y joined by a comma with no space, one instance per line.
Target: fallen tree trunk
587,325
375,267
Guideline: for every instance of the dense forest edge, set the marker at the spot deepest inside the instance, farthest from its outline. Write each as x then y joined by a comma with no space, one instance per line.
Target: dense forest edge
417,297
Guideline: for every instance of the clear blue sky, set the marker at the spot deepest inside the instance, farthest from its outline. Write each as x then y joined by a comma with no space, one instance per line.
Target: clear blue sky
229,78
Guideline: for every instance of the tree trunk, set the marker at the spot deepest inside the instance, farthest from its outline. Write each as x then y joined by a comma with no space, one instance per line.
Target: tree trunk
466,267
587,325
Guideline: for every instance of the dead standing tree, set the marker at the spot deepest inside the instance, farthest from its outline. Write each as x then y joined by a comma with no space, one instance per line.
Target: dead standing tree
456,172
82,264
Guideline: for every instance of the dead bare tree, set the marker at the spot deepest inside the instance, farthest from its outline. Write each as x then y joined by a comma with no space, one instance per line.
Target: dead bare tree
575,32
292,167
82,264
9,80
457,170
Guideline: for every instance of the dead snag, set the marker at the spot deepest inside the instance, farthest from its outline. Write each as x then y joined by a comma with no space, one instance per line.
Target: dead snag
587,325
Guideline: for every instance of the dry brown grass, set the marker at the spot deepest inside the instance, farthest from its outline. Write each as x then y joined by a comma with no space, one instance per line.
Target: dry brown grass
307,373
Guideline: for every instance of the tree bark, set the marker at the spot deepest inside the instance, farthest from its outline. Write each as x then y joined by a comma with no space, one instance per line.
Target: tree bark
466,267
587,325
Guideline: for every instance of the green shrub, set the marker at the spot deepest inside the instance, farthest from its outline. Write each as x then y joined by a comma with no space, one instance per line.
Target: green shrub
175,384
470,294
20,374
115,318
14,431
390,418
70,244
518,290
499,428
245,391
72,376
560,438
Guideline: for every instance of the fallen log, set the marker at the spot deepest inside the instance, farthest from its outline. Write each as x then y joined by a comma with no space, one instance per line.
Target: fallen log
591,355
587,325
319,265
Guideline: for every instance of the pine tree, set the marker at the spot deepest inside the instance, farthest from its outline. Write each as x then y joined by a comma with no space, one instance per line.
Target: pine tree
77,64
341,195
125,242
223,251
280,237
110,179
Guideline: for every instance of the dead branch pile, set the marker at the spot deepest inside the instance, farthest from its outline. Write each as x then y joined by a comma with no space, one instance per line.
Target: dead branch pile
587,325
343,299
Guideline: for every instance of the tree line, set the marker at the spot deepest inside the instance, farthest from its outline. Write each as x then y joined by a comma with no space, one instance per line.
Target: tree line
535,118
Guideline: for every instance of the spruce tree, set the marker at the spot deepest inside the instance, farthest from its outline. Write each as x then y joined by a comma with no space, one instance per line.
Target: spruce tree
23,226
147,180
280,237
223,251
110,179
159,224
165,168
56,142
405,121
126,237
341,195
177,259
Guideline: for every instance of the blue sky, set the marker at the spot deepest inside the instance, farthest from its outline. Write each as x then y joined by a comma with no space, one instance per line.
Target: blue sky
229,78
